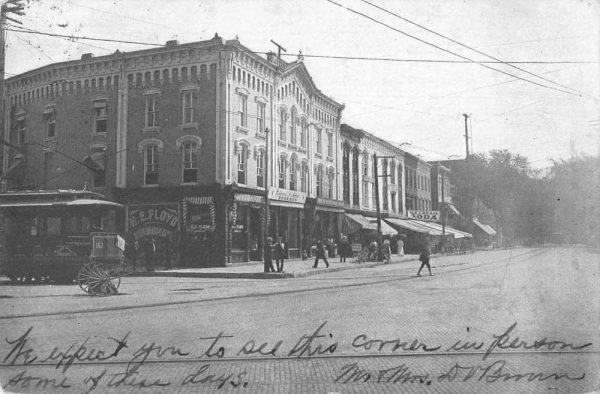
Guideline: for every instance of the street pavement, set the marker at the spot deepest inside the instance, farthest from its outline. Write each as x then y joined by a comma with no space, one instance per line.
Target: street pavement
506,321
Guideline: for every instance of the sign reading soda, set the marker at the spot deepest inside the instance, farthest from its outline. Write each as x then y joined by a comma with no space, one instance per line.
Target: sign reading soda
426,216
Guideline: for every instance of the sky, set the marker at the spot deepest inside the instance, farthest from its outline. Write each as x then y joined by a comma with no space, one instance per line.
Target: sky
414,102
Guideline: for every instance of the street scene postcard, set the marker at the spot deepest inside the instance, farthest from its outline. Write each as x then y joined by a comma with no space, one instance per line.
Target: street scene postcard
316,196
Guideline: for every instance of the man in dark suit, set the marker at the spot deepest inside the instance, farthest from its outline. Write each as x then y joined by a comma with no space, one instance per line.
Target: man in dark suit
321,254
268,256
424,257
279,254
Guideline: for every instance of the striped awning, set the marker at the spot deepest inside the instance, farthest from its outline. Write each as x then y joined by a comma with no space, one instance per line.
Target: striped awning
202,200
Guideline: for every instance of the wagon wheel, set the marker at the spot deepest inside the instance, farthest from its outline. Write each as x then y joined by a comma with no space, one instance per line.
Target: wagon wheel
99,279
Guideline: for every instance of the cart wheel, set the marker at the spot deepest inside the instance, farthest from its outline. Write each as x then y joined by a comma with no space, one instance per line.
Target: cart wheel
99,279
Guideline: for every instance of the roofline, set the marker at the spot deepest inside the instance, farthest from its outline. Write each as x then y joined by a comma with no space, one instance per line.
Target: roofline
371,135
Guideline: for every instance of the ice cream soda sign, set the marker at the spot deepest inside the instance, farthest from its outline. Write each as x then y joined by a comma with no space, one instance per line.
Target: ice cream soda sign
427,216
153,220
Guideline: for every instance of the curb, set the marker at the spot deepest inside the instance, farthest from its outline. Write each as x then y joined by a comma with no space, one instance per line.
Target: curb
259,275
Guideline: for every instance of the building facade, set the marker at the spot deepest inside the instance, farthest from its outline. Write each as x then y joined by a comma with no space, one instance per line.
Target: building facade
191,138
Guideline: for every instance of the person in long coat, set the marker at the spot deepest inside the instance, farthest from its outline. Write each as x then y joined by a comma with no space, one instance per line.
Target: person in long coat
268,255
279,254
321,254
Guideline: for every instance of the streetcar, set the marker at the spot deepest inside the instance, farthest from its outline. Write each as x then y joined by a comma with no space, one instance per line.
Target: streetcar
46,235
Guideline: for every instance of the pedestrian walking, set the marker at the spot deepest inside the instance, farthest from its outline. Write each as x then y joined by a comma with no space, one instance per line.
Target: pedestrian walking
321,254
400,247
343,249
387,251
268,256
279,254
424,258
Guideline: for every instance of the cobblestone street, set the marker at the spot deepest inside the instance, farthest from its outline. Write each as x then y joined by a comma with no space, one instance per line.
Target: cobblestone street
472,327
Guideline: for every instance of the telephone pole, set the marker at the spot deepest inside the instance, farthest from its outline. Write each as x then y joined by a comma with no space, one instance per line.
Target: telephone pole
466,134
378,210
8,7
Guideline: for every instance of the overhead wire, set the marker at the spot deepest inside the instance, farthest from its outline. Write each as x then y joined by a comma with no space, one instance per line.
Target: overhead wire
449,51
464,45
72,38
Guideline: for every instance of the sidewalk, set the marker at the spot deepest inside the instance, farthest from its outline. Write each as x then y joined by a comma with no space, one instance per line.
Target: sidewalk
295,268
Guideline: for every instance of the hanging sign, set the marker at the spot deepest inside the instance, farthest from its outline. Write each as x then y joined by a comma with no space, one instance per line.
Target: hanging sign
426,216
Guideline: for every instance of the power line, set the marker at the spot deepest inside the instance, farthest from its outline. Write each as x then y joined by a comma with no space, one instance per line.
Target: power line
34,47
339,57
73,37
448,51
464,45
66,39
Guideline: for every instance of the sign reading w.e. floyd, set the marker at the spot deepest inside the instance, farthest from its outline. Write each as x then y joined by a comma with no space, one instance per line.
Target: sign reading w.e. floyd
427,216
153,220
287,195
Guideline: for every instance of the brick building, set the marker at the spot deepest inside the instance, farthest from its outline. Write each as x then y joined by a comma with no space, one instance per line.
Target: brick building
179,134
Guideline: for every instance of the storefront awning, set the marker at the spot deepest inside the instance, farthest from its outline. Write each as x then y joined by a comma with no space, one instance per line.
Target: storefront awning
448,230
452,209
484,227
415,225
371,224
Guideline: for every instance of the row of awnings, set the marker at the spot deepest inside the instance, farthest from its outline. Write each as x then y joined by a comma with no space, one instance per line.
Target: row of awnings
486,228
430,228
390,226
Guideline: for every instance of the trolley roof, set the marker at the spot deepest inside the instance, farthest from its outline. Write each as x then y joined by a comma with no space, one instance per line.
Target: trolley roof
49,198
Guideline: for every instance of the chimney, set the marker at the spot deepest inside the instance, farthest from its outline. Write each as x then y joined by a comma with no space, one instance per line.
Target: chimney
172,43
86,56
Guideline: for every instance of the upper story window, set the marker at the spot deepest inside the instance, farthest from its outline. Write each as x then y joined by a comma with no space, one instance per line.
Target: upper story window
329,144
260,168
331,182
21,129
365,166
303,133
293,118
304,178
188,107
281,170
242,164
189,159
260,116
393,172
152,111
282,122
50,121
319,181
293,164
393,198
243,109
319,141
100,117
151,164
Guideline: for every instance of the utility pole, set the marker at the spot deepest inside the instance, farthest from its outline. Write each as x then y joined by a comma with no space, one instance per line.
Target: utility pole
14,7
466,134
279,48
378,210
266,218
443,209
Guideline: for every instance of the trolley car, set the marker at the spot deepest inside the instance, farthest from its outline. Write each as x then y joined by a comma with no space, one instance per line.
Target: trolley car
47,235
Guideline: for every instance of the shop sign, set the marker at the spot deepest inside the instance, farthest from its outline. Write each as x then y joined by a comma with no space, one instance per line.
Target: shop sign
251,198
426,216
237,228
153,220
292,196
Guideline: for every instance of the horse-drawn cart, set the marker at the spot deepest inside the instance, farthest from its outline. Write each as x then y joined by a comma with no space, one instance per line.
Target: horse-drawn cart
102,275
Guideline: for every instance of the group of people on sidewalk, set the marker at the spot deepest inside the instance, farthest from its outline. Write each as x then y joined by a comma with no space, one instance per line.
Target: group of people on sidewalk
276,250
152,250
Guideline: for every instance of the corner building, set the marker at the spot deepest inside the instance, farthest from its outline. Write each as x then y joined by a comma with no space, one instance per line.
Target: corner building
188,137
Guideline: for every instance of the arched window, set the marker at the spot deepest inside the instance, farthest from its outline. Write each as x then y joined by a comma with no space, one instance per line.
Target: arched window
304,134
242,163
151,164
293,126
293,168
346,172
393,172
304,178
331,181
281,170
189,159
282,121
260,168
320,181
